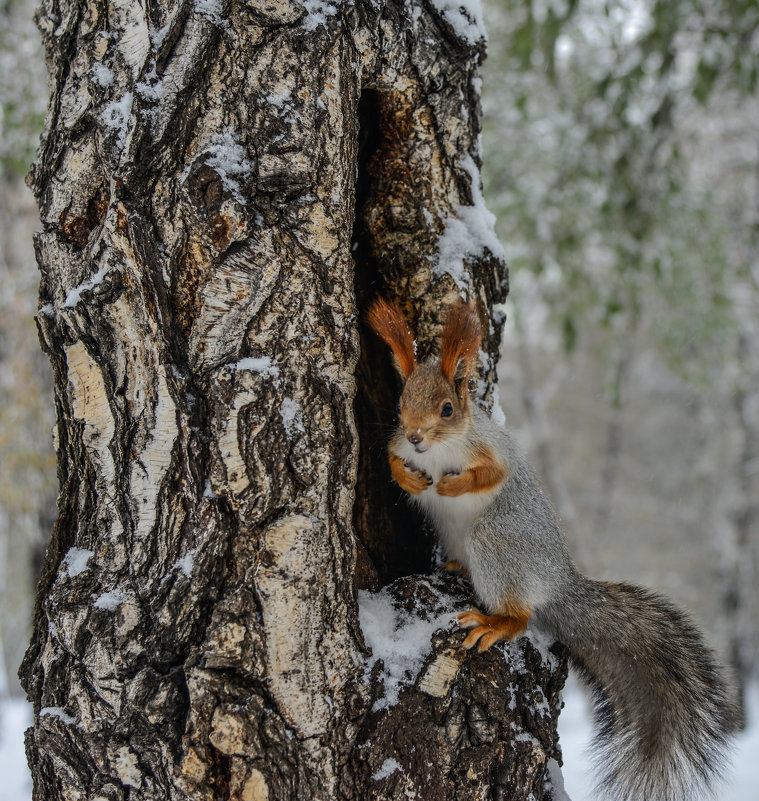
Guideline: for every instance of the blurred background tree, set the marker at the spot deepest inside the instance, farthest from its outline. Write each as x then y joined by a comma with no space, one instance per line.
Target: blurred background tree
27,463
622,162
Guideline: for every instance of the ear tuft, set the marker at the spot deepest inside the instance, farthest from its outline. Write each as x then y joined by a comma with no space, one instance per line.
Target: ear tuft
461,340
388,322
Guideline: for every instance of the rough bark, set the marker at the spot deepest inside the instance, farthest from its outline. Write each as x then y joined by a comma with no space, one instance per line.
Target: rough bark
223,188
470,726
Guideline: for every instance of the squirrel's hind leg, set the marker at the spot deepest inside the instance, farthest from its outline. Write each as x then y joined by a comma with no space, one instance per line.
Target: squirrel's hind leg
456,567
489,629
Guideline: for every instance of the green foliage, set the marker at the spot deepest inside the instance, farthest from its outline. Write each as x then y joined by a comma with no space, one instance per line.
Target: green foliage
591,114
22,87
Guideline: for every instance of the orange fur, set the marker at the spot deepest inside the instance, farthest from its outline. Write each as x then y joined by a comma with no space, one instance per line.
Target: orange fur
486,474
389,324
489,629
461,340
413,481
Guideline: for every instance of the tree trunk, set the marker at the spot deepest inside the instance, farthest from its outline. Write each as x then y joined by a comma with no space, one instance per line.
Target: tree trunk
611,447
740,569
535,401
27,464
223,190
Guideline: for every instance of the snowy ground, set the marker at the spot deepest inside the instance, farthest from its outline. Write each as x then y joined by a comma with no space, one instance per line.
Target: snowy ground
574,729
15,716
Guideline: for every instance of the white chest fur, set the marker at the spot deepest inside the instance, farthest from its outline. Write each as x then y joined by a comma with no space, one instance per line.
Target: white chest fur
452,517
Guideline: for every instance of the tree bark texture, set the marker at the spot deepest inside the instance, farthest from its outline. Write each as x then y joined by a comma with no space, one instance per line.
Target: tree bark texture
223,189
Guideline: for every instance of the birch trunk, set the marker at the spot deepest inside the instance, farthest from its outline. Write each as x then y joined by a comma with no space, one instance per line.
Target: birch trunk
223,189
611,447
535,401
740,568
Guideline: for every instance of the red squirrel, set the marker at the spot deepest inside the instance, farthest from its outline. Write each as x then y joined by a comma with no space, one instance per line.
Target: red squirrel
663,707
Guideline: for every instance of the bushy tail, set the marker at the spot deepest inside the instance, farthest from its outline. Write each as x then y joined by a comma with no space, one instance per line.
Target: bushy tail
664,711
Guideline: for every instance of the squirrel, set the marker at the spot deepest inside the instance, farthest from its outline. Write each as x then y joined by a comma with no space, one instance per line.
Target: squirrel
663,709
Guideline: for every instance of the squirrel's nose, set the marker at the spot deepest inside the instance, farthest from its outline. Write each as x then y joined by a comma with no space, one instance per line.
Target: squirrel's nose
414,437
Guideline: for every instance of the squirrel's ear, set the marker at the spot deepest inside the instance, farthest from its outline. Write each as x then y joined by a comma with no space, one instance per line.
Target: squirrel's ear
390,325
460,344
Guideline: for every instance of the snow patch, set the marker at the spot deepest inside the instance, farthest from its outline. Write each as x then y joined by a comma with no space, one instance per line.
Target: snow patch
76,560
544,642
280,99
389,766
497,415
151,88
292,417
57,712
557,781
401,639
540,704
468,233
102,75
317,12
500,312
465,17
75,294
157,35
263,365
227,157
525,737
212,11
111,600
186,563
207,491
512,688
116,116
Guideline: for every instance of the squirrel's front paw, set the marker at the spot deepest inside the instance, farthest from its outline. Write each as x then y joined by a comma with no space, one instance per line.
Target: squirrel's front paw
453,484
413,481
407,477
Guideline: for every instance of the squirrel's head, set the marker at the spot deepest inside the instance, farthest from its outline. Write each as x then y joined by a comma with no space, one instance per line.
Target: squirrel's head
434,404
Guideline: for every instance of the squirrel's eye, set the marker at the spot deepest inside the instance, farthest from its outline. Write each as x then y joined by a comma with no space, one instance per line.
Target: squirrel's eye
447,409
398,408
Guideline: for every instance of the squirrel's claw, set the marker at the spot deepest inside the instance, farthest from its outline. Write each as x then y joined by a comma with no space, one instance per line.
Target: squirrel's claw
453,484
482,636
489,629
407,478
471,618
415,481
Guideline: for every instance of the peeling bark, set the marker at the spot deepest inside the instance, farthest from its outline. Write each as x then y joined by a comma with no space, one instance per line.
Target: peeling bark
223,189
